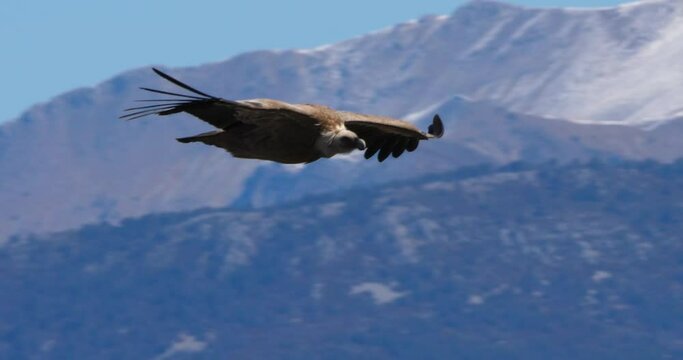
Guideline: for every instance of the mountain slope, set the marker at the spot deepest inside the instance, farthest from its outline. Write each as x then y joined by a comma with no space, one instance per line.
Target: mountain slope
614,64
476,133
70,161
525,262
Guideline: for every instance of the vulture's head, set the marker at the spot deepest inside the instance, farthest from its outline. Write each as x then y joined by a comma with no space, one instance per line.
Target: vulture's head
345,141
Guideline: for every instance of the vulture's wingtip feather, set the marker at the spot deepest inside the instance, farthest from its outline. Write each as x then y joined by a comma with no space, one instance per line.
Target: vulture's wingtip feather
181,84
436,128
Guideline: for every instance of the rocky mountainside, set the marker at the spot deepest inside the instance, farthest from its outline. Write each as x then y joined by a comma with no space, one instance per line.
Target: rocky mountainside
524,262
69,161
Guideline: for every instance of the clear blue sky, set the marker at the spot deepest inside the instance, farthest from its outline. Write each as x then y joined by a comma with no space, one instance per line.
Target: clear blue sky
49,47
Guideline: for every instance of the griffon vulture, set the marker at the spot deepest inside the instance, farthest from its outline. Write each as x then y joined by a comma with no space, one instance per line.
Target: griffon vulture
286,133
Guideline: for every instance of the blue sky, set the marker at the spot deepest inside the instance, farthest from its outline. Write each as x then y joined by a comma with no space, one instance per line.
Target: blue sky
49,47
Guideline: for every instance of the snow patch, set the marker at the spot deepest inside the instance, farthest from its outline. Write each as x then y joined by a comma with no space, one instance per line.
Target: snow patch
488,38
353,157
480,299
314,50
184,344
476,300
293,168
380,293
600,276
439,186
417,115
436,20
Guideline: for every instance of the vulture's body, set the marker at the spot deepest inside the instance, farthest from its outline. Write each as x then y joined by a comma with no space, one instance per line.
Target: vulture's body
287,133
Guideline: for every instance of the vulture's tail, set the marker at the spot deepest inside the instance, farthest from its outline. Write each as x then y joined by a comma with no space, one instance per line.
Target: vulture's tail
203,137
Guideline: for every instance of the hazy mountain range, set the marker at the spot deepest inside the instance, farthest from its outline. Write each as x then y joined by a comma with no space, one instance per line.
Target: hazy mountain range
116,242
524,262
512,83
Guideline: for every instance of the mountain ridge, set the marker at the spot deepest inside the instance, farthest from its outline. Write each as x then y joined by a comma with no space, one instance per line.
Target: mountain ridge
68,162
426,20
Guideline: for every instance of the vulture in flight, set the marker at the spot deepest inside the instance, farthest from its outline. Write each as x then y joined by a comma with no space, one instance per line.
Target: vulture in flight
286,133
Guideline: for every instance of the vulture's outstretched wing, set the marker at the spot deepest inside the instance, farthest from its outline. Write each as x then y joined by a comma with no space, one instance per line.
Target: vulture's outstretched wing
389,136
218,112
259,128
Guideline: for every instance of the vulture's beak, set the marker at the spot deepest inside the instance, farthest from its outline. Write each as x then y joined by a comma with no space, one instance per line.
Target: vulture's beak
360,144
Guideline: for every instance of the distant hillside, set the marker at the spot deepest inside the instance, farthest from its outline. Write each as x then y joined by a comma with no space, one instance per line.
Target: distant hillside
524,262
70,162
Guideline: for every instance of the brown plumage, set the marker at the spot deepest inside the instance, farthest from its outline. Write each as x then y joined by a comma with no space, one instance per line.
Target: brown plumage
286,133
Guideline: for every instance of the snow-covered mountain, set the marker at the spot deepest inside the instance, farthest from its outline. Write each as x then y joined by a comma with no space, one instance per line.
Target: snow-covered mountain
504,77
618,64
